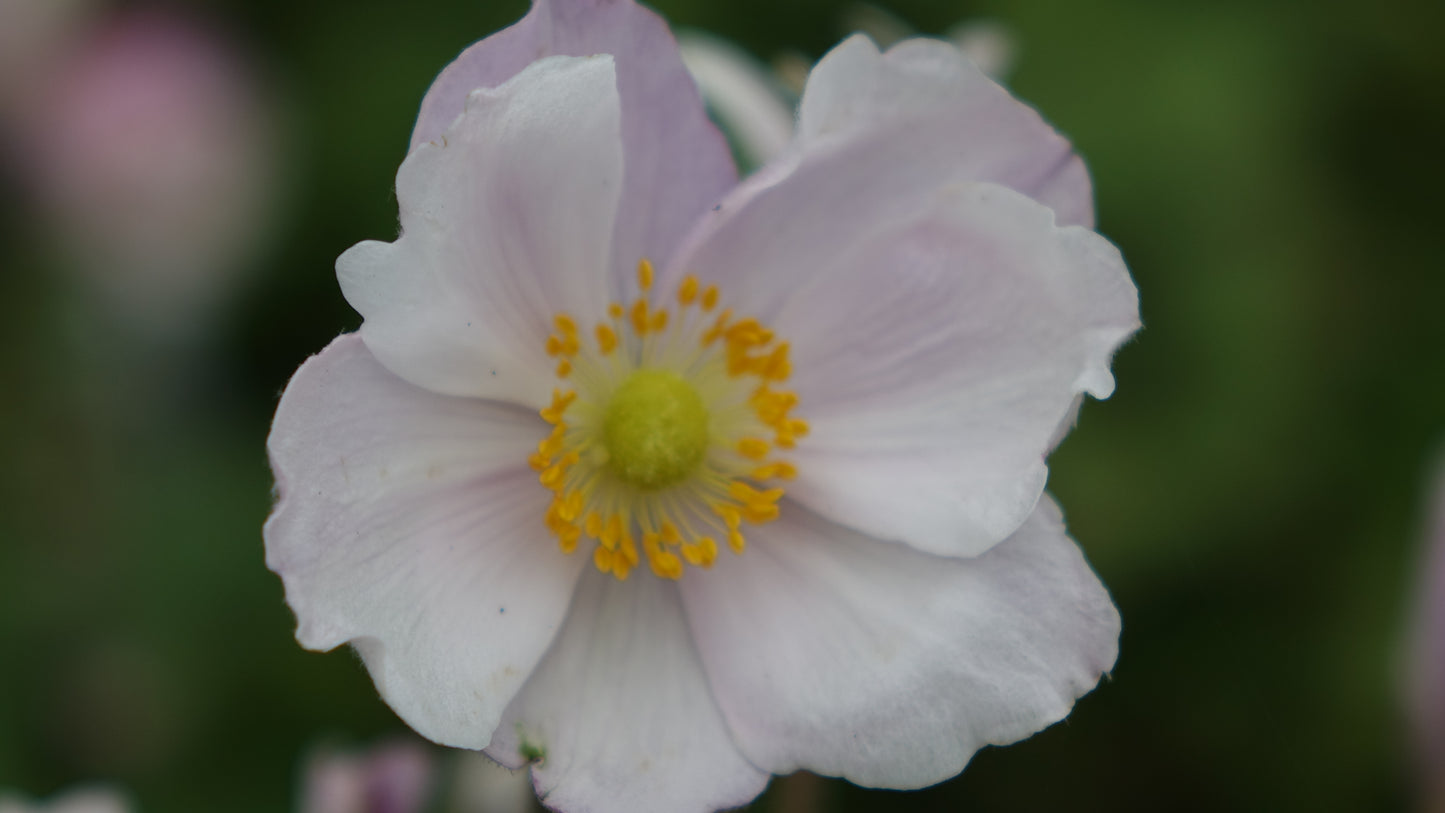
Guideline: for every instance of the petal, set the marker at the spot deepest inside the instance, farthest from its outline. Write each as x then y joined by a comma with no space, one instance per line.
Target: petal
620,714
833,652
895,127
928,101
505,223
742,93
937,350
410,525
677,162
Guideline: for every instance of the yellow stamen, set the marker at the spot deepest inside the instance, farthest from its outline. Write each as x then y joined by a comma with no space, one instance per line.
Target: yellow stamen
606,339
753,448
687,292
660,452
639,317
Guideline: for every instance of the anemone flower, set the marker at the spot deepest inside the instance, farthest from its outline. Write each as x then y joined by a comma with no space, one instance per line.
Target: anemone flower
664,482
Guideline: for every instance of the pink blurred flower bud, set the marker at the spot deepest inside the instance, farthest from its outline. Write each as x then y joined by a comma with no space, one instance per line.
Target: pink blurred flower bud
34,35
393,777
152,154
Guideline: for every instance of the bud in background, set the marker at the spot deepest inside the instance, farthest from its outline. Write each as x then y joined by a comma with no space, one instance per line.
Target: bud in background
151,152
480,785
34,37
393,777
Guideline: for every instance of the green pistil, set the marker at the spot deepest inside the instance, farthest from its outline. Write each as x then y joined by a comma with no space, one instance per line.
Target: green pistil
655,429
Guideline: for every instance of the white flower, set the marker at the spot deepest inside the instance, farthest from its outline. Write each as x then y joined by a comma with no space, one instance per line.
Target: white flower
790,509
89,800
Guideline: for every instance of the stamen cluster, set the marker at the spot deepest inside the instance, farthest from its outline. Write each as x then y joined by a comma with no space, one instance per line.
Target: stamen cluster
689,497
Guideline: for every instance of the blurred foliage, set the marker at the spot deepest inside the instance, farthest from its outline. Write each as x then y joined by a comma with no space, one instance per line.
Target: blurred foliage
1252,494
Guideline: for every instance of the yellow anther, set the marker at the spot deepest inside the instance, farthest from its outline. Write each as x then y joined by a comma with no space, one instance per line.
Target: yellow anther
554,346
658,323
567,539
615,310
564,368
758,513
687,291
717,327
778,469
670,536
644,274
777,367
606,339
611,531
602,557
665,564
701,553
709,298
753,448
639,317
628,549
560,402
538,462
748,333
565,324
554,473
593,524
729,514
551,445
747,495
736,541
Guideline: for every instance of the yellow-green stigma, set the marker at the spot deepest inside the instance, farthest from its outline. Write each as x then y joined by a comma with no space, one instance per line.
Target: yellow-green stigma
655,430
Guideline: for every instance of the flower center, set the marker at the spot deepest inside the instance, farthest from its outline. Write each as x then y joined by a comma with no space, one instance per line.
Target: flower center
655,430
663,435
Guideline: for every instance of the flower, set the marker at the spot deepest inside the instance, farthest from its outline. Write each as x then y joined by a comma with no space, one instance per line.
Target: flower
1424,669
663,482
89,800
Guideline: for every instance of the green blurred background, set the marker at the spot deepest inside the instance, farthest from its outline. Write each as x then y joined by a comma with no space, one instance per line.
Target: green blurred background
1253,495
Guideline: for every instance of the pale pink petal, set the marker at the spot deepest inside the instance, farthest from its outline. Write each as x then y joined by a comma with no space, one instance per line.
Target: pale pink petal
925,102
620,712
889,667
895,127
410,524
937,347
677,163
506,221
743,93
